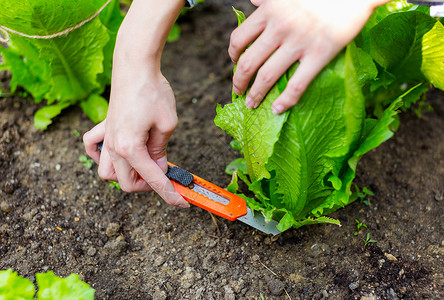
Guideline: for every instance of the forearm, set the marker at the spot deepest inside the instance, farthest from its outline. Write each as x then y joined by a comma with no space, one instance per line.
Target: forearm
144,31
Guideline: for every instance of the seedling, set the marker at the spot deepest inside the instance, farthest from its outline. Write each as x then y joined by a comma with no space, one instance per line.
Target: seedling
367,241
359,226
362,195
87,162
76,133
114,185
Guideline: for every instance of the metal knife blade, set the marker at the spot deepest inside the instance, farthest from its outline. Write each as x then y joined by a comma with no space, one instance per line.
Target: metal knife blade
255,220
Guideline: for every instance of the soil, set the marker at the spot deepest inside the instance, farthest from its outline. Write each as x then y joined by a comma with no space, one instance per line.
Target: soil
56,214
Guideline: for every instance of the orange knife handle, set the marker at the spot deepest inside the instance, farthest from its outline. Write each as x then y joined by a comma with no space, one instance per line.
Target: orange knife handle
237,207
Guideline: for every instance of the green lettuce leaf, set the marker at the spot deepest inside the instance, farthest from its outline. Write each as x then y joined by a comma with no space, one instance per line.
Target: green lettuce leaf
301,165
43,117
409,46
75,61
14,287
69,288
95,107
39,17
174,34
66,69
256,130
111,17
319,133
31,73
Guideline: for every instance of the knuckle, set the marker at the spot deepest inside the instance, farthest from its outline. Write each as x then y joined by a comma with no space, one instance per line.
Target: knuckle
291,102
157,151
296,87
235,40
324,49
126,188
245,65
123,147
104,174
280,31
266,77
86,138
169,125
109,145
256,96
157,185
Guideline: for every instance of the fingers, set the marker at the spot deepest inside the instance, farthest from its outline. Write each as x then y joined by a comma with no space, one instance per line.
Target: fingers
246,33
251,61
156,178
128,178
308,69
157,145
270,73
92,138
106,170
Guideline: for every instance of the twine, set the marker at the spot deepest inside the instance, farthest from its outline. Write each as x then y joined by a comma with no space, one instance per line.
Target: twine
4,31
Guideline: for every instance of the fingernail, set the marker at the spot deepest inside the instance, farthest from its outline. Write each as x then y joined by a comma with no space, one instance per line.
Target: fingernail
236,90
162,163
277,109
184,205
233,61
249,103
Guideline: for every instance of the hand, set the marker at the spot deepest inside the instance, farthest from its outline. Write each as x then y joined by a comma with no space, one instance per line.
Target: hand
285,31
142,111
141,118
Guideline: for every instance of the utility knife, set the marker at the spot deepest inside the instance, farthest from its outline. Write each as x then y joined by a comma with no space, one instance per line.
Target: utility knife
215,199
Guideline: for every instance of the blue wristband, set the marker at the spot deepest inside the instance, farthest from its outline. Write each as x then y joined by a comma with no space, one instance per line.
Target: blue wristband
190,3
427,2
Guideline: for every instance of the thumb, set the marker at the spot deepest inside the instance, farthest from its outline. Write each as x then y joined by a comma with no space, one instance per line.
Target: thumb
157,144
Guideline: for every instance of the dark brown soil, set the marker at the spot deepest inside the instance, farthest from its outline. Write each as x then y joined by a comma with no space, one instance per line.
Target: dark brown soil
58,215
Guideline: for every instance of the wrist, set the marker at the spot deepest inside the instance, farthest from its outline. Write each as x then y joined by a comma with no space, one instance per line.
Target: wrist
136,57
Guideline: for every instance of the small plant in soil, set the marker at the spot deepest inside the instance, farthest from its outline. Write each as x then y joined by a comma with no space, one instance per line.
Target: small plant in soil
87,162
367,240
359,226
76,133
114,185
362,195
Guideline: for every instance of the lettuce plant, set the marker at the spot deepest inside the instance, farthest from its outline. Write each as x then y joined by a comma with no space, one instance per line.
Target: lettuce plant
73,69
14,287
67,70
300,165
